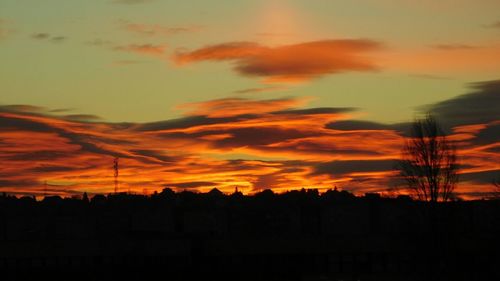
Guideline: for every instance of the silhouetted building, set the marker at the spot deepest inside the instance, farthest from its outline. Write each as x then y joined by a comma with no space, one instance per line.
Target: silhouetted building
291,236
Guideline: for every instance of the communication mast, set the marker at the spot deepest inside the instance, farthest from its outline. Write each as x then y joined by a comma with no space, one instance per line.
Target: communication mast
115,167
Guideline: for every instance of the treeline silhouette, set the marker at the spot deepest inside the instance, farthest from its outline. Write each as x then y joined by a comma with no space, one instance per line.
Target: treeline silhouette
296,235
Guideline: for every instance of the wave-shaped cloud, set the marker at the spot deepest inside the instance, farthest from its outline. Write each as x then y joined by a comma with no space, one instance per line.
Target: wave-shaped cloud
252,144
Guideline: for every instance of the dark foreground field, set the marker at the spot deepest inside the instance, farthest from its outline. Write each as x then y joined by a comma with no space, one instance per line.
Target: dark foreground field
298,235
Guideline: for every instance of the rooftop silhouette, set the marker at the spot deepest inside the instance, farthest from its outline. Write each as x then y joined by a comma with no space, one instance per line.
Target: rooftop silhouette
296,235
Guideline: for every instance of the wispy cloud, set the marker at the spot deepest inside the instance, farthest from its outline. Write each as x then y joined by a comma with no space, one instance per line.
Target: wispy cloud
288,63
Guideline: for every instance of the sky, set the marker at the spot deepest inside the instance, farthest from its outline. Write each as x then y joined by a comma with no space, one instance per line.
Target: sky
256,94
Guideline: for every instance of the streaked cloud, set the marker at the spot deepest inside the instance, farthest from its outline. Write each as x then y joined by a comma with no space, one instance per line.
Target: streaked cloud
249,143
355,167
288,63
239,106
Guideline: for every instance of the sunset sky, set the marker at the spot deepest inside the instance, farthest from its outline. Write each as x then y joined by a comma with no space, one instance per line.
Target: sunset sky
256,94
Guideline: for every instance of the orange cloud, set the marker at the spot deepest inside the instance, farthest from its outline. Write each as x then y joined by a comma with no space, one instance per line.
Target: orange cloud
252,144
239,106
445,58
288,63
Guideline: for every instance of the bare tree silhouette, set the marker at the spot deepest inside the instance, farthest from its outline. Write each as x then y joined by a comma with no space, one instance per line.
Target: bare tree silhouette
429,163
496,188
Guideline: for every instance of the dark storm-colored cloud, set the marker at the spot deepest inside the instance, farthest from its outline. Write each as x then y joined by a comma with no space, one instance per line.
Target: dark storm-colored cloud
12,123
402,129
340,168
186,122
486,177
490,134
477,107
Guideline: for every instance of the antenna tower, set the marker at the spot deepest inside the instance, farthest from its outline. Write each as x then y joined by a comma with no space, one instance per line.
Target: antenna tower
115,167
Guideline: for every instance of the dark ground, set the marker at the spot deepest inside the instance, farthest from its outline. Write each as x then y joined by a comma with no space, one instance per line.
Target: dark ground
299,235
